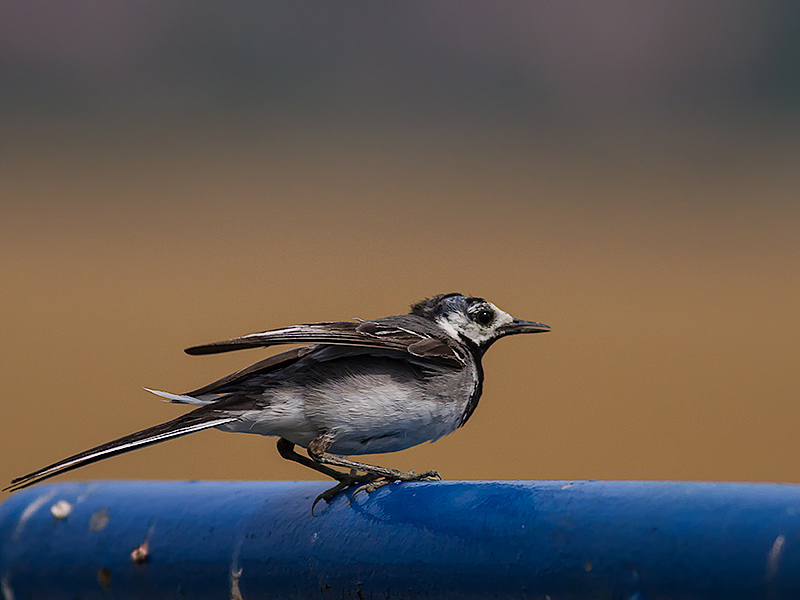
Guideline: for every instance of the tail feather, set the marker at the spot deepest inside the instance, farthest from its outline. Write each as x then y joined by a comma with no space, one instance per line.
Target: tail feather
196,420
180,398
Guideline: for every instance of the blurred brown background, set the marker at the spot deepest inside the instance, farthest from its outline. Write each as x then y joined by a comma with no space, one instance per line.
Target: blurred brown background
178,174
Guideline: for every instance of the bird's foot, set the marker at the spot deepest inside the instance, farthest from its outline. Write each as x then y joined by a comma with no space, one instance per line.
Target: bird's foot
378,483
369,482
345,481
430,475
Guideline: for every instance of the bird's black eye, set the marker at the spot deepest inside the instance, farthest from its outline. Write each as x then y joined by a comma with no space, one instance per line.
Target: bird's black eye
484,316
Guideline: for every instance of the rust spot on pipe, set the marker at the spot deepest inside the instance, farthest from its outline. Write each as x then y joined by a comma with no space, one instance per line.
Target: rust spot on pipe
104,578
99,520
141,554
61,509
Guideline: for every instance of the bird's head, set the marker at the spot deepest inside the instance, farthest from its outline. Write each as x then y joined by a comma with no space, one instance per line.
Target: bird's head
472,320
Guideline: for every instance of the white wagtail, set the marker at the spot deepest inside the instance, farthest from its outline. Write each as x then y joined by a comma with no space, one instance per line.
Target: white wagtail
362,387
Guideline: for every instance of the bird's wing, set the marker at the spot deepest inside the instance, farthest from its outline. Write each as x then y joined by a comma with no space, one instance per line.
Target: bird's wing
262,367
376,334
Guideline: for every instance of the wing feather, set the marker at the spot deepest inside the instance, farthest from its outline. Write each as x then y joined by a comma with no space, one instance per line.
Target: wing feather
376,334
260,368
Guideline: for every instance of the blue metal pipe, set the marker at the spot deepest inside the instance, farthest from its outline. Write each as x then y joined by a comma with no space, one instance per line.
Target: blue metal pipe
634,540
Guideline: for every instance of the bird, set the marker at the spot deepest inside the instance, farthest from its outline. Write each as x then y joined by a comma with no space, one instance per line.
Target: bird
355,387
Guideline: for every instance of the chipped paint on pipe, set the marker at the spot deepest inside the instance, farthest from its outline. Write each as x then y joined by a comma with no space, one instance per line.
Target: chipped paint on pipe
245,540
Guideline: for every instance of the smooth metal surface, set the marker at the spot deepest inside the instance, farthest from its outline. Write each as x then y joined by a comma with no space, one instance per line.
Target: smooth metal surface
643,540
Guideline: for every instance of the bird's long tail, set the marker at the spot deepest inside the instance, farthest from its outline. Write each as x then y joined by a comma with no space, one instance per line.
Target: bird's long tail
197,420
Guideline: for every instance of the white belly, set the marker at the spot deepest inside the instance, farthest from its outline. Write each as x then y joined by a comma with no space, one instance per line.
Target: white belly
364,414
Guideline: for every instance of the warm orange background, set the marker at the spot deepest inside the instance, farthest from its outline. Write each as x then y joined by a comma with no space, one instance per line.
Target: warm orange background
664,252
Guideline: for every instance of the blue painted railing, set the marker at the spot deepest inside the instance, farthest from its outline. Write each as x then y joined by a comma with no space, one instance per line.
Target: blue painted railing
631,540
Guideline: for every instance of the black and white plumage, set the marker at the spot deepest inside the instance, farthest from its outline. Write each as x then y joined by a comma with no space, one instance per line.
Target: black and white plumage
361,387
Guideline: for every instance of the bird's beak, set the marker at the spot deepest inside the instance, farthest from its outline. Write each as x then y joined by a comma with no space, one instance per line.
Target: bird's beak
521,326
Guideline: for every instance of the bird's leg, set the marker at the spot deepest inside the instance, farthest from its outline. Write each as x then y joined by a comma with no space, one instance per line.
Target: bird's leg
380,472
287,451
377,476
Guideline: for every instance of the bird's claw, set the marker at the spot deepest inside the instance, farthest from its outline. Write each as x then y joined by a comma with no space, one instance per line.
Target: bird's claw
371,487
329,494
407,476
345,482
426,476
370,483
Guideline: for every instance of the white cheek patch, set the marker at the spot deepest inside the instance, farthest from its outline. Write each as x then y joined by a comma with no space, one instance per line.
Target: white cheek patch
479,334
455,324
